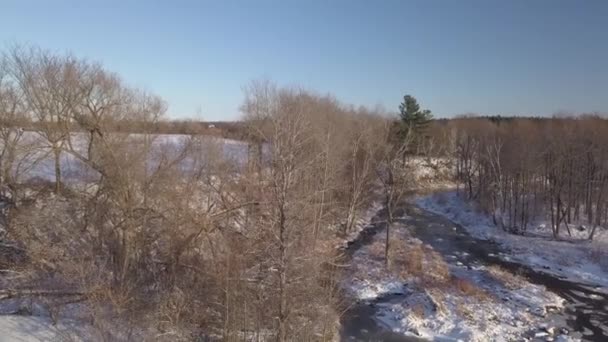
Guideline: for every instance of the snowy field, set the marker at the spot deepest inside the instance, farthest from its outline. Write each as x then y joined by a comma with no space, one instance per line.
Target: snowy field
576,259
35,160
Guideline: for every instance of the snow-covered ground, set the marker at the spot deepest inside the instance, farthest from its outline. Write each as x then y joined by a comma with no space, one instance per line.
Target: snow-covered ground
442,298
37,329
576,260
34,161
34,158
361,223
430,173
445,299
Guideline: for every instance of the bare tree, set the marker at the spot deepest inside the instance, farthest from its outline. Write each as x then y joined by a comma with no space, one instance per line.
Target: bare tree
42,77
392,174
523,168
297,202
360,164
12,114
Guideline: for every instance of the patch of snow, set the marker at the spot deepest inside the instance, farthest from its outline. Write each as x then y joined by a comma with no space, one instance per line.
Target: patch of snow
429,172
566,259
443,313
369,290
459,318
35,160
37,328
363,222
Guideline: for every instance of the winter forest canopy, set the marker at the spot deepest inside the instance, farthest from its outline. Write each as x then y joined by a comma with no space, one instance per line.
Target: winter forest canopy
139,227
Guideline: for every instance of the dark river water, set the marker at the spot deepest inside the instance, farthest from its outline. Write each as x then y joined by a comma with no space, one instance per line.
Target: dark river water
586,310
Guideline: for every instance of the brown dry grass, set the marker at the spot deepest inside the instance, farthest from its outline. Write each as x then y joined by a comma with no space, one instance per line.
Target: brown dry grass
436,269
412,258
418,310
464,311
510,280
420,261
376,250
469,288
437,295
423,267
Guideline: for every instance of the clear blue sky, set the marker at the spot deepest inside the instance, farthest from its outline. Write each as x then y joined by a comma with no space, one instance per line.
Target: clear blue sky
485,56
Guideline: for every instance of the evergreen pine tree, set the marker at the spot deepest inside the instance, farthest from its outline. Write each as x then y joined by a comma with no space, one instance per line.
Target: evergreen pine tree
413,120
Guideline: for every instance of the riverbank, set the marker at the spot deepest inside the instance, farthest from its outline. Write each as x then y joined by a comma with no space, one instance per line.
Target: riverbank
576,259
435,289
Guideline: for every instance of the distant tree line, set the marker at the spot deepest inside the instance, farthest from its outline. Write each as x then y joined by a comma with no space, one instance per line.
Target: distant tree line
225,129
521,169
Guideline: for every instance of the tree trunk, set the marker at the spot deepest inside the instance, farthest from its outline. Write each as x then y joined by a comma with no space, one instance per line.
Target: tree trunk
388,246
57,157
282,337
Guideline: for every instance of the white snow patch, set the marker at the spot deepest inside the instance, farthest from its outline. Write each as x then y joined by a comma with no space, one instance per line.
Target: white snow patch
571,260
362,222
443,313
368,290
37,328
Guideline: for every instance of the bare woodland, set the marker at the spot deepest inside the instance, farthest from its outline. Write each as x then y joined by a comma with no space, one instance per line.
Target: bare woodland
175,241
520,170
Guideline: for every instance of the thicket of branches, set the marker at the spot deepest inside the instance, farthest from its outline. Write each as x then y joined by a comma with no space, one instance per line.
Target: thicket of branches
170,238
524,169
173,239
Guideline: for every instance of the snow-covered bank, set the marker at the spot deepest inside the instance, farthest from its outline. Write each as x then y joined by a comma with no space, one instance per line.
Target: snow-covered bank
20,328
36,328
429,173
577,261
429,295
362,222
